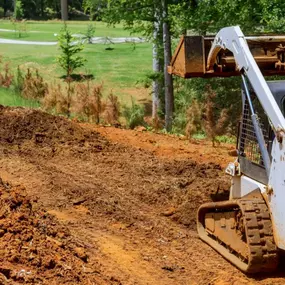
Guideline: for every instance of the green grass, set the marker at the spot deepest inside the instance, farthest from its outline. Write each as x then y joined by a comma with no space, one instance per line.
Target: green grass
220,139
199,136
119,69
9,98
45,30
226,139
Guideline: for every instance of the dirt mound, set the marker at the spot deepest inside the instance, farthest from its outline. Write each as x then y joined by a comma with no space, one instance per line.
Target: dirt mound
20,125
199,183
182,184
34,247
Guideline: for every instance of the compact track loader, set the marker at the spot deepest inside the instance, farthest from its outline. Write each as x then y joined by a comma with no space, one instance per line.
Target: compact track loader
249,228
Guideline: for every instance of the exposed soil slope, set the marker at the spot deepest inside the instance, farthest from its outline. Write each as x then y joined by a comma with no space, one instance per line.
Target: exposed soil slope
35,247
129,198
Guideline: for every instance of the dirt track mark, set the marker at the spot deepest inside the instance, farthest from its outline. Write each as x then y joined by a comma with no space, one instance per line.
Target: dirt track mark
129,262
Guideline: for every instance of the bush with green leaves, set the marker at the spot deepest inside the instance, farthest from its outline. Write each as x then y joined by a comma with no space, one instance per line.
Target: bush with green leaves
184,95
18,80
228,97
134,115
18,11
70,47
2,12
50,13
20,28
89,33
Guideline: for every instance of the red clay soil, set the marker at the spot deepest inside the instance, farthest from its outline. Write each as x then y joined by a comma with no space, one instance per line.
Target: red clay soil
126,199
34,247
169,146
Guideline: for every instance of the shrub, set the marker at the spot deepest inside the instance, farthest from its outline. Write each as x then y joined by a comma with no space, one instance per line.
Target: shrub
89,101
134,115
214,124
20,28
69,59
227,97
90,32
157,123
58,99
183,99
2,12
6,78
112,109
18,81
193,119
50,13
49,102
34,86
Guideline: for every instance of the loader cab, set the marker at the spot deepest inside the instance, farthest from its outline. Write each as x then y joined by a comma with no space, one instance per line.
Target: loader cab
250,158
278,90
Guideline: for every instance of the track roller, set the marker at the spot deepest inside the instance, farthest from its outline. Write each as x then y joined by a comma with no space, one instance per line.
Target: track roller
241,231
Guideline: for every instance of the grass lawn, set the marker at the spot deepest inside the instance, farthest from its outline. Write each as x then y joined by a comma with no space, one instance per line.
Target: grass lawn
119,69
45,30
9,98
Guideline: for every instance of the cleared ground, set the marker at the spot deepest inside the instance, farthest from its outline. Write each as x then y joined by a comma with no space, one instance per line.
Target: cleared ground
128,199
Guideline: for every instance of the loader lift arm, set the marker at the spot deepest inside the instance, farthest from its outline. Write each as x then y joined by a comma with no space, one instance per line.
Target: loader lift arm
232,39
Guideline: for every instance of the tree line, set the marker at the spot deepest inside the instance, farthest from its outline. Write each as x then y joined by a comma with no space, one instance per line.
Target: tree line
40,9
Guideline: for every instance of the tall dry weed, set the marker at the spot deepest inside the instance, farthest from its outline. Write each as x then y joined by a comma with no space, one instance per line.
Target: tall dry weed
50,100
34,86
59,99
194,119
112,110
214,124
6,77
157,123
89,102
83,99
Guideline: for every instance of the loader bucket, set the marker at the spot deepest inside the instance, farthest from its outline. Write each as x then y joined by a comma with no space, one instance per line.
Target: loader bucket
190,57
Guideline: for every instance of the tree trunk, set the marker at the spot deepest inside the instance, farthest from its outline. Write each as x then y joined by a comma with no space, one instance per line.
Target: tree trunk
5,7
42,8
156,85
168,82
64,10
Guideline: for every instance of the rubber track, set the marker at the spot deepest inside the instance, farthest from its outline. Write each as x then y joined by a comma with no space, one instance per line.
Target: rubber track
262,251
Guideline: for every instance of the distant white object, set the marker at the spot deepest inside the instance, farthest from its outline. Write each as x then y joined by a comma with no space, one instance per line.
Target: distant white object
55,35
95,40
7,30
17,42
103,40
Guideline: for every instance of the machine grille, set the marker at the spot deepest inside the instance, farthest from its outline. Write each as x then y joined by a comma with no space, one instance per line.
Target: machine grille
248,144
